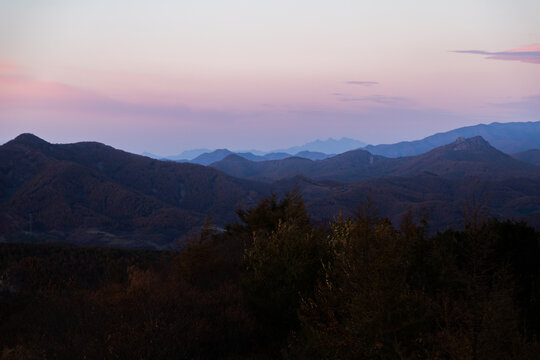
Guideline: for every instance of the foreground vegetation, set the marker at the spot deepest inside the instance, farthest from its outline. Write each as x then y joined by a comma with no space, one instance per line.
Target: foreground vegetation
276,286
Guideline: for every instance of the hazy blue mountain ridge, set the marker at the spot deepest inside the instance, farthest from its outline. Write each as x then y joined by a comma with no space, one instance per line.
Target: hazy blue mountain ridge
507,137
473,157
328,146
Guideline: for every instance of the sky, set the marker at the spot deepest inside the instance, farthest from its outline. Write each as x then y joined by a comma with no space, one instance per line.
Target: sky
167,76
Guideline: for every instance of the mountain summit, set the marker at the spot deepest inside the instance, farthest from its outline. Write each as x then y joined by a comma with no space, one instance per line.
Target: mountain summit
29,140
473,144
472,157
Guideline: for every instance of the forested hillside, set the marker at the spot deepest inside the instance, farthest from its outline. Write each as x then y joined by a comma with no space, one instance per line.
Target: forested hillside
276,286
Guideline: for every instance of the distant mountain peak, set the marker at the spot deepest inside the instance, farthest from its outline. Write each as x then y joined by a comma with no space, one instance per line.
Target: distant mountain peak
328,146
221,151
211,157
474,143
30,139
510,138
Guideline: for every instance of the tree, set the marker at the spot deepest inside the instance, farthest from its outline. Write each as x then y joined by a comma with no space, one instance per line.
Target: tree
362,306
282,264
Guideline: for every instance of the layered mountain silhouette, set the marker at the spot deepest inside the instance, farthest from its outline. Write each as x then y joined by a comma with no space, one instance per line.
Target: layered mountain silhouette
187,155
314,150
220,154
90,193
472,157
507,137
110,196
442,182
510,138
328,146
211,157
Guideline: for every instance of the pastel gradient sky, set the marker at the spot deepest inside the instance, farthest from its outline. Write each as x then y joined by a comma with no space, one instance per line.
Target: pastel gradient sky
166,76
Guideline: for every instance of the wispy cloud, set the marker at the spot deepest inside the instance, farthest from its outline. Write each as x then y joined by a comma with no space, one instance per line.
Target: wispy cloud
528,54
361,83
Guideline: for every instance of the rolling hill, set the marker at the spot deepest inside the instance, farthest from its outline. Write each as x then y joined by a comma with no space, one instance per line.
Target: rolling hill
111,196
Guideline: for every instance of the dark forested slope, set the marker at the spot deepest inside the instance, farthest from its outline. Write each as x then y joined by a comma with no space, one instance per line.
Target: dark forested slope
110,194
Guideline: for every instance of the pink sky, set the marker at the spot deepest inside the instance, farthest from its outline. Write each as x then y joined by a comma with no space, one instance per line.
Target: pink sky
168,77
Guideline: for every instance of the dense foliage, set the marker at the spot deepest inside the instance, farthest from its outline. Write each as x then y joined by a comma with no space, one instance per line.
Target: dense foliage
275,286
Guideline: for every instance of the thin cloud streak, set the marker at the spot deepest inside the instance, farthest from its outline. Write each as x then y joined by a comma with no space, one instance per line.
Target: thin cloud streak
529,54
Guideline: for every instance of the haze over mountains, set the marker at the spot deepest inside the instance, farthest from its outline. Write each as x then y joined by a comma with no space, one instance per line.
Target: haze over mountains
328,146
464,157
220,154
90,193
507,137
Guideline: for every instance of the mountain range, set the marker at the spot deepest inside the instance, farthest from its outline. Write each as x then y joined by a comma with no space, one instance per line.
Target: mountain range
510,138
464,157
314,150
90,193
220,154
